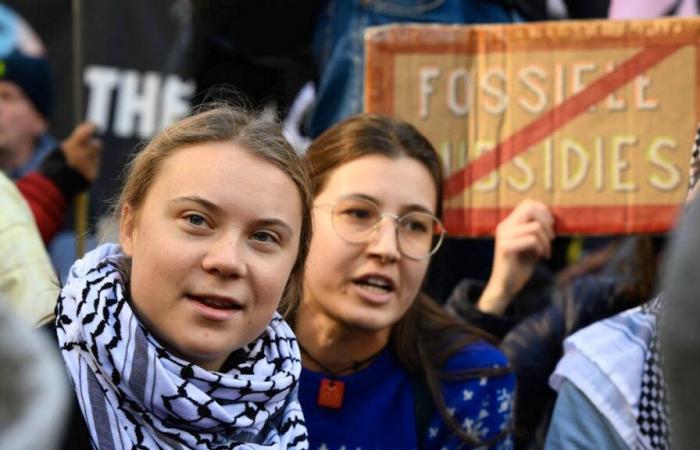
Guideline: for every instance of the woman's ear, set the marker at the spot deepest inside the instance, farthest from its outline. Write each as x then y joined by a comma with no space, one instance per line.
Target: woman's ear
126,229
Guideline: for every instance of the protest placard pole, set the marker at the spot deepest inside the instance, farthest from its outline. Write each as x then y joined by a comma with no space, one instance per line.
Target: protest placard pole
81,201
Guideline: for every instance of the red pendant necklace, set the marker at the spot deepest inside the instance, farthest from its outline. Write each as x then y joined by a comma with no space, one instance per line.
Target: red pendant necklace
332,390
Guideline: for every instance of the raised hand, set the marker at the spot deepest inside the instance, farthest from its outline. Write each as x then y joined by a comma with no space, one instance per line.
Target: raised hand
83,150
522,239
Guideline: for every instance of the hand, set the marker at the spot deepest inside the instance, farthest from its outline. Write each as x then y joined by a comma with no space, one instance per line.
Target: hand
522,239
83,151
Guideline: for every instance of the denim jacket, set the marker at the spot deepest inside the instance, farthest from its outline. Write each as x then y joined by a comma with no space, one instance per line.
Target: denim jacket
339,40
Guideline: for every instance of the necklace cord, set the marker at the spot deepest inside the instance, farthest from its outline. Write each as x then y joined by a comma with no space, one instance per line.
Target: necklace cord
354,367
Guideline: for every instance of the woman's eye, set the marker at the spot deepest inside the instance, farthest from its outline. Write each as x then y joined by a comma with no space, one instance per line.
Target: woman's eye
416,226
265,236
196,220
358,213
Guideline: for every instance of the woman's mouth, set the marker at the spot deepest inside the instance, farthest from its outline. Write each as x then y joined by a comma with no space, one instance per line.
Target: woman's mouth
214,307
374,288
216,302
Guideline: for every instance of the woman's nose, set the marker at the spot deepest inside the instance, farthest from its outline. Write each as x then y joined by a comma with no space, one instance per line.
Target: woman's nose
384,241
226,256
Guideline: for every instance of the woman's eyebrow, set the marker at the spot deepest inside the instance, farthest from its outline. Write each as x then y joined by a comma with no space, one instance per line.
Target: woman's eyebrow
272,222
408,208
363,196
204,203
414,207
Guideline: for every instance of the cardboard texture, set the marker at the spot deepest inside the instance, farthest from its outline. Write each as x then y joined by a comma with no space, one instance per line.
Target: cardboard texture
595,118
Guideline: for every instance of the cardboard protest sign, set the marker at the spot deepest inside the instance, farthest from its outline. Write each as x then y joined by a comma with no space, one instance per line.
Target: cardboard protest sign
595,118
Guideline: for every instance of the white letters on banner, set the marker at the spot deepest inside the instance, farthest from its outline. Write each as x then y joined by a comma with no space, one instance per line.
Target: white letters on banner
133,104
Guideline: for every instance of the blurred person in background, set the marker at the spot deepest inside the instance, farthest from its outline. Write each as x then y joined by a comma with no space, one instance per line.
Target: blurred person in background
48,175
33,386
680,334
25,92
338,45
27,281
531,310
612,390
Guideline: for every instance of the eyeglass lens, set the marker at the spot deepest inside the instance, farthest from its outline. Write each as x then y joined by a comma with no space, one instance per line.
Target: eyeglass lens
355,219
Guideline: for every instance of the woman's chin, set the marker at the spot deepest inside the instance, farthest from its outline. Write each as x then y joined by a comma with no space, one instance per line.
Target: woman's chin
374,322
203,354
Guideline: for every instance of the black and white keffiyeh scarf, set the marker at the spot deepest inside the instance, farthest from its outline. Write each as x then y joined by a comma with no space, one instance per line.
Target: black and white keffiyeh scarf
135,395
694,169
653,419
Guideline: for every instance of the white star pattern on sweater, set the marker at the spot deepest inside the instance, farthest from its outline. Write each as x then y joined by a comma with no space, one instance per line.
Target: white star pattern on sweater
483,413
505,400
482,406
468,395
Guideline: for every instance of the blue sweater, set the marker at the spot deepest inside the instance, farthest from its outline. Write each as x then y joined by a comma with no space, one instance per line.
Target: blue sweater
378,410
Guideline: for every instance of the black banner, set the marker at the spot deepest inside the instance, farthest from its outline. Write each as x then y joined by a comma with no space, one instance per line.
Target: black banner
135,73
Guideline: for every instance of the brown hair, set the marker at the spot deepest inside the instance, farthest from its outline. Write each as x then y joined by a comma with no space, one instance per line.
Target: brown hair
426,336
255,132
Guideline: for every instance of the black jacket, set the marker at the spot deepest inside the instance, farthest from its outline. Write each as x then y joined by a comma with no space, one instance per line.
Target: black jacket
532,333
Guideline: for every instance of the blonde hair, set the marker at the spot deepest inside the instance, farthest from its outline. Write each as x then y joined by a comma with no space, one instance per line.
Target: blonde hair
259,133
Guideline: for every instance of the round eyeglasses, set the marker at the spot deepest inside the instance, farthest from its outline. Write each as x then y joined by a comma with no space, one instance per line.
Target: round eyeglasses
356,219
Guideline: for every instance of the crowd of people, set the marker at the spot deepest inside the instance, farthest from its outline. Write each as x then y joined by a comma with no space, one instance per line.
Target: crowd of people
260,297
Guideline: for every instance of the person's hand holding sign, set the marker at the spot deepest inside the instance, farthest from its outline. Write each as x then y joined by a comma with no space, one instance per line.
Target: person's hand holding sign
522,239
83,151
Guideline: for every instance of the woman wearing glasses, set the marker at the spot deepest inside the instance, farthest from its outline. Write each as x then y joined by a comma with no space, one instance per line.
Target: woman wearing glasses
384,367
